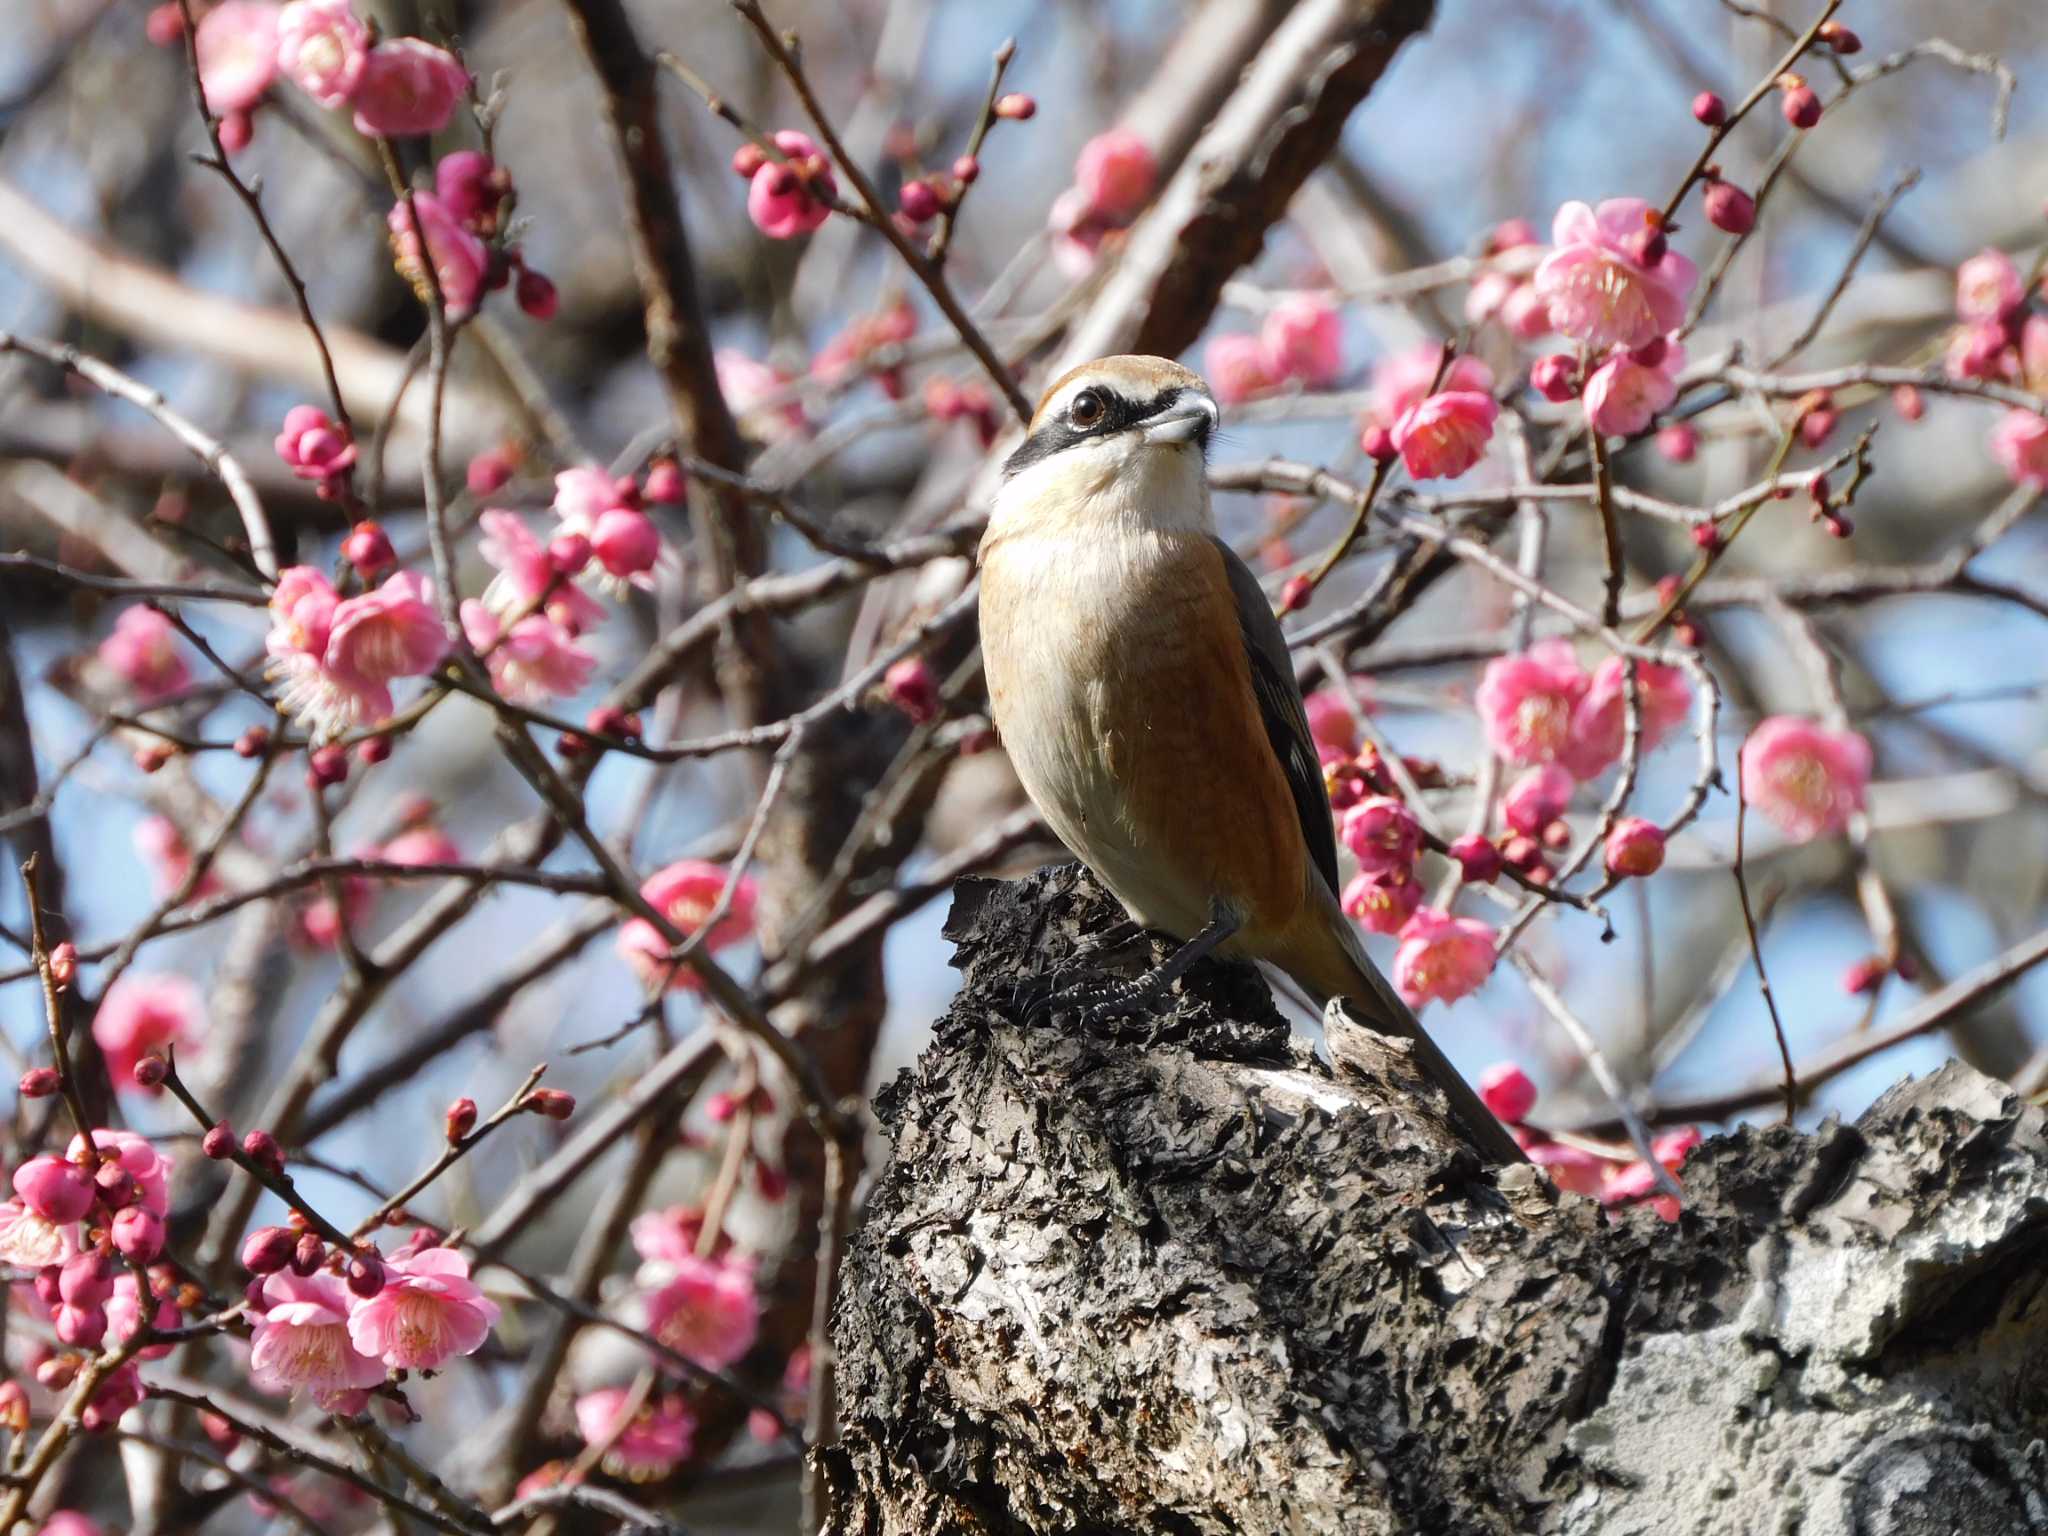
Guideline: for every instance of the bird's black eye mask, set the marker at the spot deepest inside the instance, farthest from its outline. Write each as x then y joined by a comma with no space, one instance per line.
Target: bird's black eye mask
1096,411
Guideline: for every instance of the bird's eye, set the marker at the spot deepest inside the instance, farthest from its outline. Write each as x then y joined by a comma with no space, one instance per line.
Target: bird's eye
1087,409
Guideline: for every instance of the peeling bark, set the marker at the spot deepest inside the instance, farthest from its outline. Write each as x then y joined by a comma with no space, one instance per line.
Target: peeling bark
1182,1276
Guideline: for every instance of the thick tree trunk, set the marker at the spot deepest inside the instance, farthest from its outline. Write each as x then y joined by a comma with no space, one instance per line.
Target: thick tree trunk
1194,1280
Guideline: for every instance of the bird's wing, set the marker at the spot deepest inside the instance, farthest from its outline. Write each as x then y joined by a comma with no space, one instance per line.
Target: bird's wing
1279,699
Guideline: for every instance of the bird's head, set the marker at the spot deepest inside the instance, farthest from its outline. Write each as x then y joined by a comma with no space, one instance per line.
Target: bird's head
1121,439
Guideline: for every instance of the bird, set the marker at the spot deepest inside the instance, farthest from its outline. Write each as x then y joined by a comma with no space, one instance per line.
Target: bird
1141,685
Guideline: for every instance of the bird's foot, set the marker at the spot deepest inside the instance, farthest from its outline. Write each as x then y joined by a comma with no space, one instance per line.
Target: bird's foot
1096,999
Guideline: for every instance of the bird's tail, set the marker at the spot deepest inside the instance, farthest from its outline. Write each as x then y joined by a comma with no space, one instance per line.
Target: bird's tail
1329,961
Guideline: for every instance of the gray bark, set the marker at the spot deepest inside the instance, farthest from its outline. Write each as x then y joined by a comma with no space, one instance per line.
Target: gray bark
1179,1275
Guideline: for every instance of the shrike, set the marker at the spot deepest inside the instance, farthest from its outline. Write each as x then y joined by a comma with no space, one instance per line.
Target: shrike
1143,689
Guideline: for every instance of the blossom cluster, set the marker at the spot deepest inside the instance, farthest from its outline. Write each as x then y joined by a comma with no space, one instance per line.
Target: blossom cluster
2000,337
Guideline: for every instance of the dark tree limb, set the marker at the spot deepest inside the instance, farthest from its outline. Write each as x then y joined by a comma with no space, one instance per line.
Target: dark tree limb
1195,1280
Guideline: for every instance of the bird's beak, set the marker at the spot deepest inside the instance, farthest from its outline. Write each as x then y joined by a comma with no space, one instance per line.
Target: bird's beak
1191,418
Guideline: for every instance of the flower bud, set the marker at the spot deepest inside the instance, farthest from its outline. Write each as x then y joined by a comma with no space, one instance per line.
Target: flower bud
460,1119
151,1071
150,758
86,1280
368,549
568,553
536,294
138,1233
913,689
1634,847
55,1189
1839,37
326,766
966,169
13,1400
373,750
1478,858
308,1254
664,482
1016,106
261,1148
81,1327
1798,101
1706,536
219,1142
1678,442
115,1185
1730,208
1506,1090
40,1082
551,1102
253,742
365,1275
1648,245
919,201
1294,595
1817,425
1378,444
1710,109
1555,378
625,541
747,160
268,1249
1908,402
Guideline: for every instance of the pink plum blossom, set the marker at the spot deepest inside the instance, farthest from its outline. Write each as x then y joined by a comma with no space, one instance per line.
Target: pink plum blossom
685,893
533,662
1116,171
302,609
1401,381
660,1434
30,1240
461,261
389,632
1598,282
303,1340
780,197
420,845
315,447
320,924
708,1311
68,1522
525,572
1625,392
1441,957
2020,444
140,1014
664,1239
407,87
1330,720
585,493
1599,719
1526,702
1808,779
755,390
1382,834
1235,365
322,48
428,1311
1382,902
1572,1169
143,652
236,44
1988,286
1536,799
1446,434
1302,339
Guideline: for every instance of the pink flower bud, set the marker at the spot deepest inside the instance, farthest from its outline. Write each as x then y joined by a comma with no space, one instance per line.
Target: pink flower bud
58,1372
568,553
966,169
1730,208
368,549
40,1082
86,1280
1678,442
919,201
1378,444
912,688
253,742
1801,106
64,964
1537,799
151,758
46,1285
1908,402
664,485
1477,856
13,1399
268,1249
488,472
365,1275
151,1071
721,1107
1818,425
373,751
747,160
1866,975
326,766
536,294
163,26
1839,37
139,1233
236,130
1634,847
1647,246
1294,595
1506,1090
1710,109
551,1102
56,1190
460,1119
219,1142
261,1148
81,1327
625,542
1706,536
471,185
1016,106
1555,377
308,1254
116,1187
